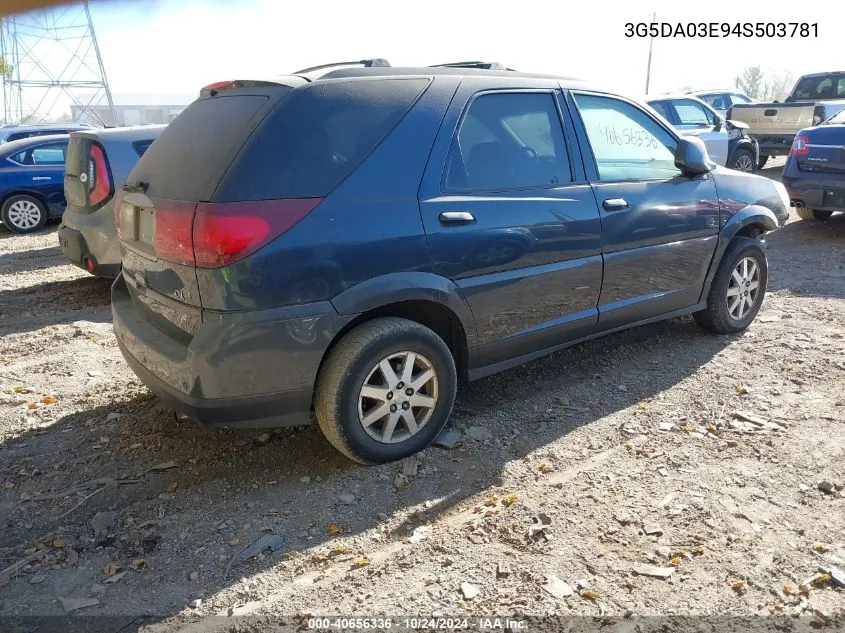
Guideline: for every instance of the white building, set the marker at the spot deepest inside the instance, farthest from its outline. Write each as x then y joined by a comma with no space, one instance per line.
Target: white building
133,109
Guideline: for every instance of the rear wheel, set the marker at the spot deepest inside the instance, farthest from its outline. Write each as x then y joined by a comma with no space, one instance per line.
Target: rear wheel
738,288
23,214
742,160
385,391
805,213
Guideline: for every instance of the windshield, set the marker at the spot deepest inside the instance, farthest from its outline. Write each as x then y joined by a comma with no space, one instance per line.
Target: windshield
820,87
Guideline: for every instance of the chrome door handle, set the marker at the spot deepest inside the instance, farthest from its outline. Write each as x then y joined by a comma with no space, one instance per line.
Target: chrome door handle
41,178
456,217
615,204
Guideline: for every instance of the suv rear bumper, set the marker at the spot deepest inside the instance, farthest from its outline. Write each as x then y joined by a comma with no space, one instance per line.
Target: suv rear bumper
75,248
240,369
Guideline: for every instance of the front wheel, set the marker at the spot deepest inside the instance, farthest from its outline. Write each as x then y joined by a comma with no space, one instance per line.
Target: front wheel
23,214
738,288
742,160
385,391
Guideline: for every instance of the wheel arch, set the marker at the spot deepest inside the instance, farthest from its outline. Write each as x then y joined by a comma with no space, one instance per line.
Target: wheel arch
428,299
25,192
752,221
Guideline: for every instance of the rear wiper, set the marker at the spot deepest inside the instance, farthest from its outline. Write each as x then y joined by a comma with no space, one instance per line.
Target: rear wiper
139,187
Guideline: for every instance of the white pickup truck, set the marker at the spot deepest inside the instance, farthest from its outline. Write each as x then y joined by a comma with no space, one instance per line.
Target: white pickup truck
815,98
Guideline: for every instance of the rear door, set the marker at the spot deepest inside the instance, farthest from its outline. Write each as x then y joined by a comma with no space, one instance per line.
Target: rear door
41,168
659,227
512,221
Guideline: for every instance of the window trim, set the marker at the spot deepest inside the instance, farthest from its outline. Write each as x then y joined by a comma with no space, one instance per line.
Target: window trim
552,92
582,130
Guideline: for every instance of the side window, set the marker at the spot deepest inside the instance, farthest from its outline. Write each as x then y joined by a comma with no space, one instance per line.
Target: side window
690,113
20,158
662,108
508,141
53,154
626,142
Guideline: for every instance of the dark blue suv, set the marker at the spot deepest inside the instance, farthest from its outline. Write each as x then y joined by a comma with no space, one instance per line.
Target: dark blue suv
355,244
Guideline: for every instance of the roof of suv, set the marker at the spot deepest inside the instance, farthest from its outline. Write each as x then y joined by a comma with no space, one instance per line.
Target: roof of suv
428,71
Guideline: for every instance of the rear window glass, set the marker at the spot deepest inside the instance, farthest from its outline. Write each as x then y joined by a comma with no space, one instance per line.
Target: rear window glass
186,161
317,137
820,87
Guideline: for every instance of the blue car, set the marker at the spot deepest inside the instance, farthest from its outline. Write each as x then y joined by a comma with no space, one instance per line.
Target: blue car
32,175
355,244
814,173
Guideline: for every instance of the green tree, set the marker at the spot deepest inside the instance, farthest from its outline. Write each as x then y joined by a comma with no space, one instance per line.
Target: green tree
5,68
751,82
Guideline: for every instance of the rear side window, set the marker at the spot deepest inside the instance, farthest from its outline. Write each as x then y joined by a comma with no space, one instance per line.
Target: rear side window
186,161
316,137
49,154
142,146
508,141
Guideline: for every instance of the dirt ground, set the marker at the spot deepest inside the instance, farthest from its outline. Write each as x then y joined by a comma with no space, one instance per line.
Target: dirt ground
573,472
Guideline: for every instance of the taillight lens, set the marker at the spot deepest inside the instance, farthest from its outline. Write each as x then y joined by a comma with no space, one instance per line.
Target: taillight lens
173,230
800,146
100,189
224,233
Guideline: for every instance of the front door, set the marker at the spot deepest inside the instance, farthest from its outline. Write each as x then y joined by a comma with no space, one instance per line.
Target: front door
660,227
511,220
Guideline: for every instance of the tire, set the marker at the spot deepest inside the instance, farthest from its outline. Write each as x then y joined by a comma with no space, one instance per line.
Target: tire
718,317
742,160
762,161
357,359
23,214
805,213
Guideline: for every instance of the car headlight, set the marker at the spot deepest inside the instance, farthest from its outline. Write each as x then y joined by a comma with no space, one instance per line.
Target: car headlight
737,132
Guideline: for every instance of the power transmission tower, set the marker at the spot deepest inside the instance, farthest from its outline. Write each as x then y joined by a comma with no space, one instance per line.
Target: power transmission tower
52,60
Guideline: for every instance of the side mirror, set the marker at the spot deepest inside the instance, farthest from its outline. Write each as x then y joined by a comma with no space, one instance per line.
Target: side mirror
718,122
691,157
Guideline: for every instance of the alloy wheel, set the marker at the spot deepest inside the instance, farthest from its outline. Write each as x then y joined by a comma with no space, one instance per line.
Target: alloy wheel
24,215
398,397
745,163
744,288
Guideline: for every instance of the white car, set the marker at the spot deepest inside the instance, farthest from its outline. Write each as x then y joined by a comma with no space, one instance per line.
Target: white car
727,142
722,100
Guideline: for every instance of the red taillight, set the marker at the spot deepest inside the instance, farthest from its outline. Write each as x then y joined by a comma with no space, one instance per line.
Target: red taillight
800,146
212,89
173,233
227,232
100,190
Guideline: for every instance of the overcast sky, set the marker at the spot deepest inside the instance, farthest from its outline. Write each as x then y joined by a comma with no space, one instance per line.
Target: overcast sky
177,46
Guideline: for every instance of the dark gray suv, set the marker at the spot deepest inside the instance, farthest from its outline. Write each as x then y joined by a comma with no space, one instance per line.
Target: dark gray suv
356,243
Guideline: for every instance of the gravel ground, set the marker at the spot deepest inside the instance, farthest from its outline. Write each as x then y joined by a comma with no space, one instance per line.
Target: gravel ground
573,472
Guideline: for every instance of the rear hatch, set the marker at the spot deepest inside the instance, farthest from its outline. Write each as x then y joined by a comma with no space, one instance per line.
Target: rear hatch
88,176
239,167
773,119
155,211
820,149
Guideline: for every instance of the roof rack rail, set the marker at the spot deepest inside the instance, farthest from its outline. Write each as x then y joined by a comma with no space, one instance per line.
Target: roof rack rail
481,65
377,62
